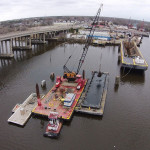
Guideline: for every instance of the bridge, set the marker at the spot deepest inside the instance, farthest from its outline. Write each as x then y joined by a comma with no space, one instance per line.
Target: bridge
24,40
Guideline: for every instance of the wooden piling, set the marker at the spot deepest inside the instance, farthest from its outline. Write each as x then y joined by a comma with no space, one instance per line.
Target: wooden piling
117,80
52,76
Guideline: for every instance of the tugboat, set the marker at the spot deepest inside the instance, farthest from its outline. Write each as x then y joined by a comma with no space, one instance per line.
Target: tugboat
54,125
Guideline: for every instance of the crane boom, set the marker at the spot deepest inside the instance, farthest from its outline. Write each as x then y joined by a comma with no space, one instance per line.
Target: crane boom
89,39
72,75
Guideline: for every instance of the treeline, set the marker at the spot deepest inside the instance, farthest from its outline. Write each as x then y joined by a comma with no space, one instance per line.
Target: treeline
25,24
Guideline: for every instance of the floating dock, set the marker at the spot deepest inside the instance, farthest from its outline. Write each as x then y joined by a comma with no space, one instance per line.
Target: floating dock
54,100
131,56
93,101
23,111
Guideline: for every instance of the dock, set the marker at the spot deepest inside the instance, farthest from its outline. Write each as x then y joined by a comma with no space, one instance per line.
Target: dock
23,112
94,103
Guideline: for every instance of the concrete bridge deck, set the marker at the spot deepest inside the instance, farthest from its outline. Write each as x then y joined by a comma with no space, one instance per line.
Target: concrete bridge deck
24,40
36,30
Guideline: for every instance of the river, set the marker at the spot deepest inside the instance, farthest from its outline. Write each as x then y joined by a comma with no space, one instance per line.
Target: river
125,124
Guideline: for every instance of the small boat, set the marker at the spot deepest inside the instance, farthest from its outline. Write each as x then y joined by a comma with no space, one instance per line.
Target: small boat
54,125
131,56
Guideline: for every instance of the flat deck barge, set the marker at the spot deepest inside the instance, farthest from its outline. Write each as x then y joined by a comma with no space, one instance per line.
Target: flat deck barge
93,101
54,100
23,112
131,56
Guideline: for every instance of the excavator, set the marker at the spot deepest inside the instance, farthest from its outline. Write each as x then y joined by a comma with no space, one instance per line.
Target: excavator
70,75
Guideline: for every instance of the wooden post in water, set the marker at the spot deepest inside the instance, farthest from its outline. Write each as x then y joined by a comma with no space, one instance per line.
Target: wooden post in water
37,91
117,80
52,76
119,59
83,74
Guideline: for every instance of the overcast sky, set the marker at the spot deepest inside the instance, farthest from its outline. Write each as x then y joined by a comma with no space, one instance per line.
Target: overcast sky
16,9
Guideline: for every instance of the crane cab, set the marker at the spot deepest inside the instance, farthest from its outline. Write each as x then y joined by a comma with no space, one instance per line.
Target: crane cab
70,76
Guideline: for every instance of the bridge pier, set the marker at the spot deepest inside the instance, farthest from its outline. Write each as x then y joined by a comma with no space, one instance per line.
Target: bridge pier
10,44
38,38
44,37
6,49
30,44
48,36
15,41
19,41
22,43
1,48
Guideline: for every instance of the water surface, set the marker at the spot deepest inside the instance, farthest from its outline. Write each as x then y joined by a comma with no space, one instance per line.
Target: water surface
125,124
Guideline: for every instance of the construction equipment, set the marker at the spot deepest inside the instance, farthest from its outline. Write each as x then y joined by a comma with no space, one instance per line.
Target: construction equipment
70,75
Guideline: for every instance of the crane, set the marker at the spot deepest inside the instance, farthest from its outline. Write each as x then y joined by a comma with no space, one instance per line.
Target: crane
70,75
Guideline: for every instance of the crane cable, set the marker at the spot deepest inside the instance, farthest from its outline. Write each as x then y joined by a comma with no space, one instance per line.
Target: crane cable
127,72
65,68
70,57
75,60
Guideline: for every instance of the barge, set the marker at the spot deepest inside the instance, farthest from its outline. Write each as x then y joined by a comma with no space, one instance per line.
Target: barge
131,56
93,98
22,112
57,99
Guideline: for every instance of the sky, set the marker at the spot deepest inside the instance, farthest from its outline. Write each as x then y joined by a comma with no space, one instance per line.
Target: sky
16,9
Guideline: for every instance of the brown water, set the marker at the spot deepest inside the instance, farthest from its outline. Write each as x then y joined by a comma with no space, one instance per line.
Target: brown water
124,126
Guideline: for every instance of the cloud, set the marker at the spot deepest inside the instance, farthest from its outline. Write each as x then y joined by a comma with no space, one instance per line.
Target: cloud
15,9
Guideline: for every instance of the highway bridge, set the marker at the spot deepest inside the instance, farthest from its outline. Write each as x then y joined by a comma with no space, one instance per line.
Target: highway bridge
24,40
